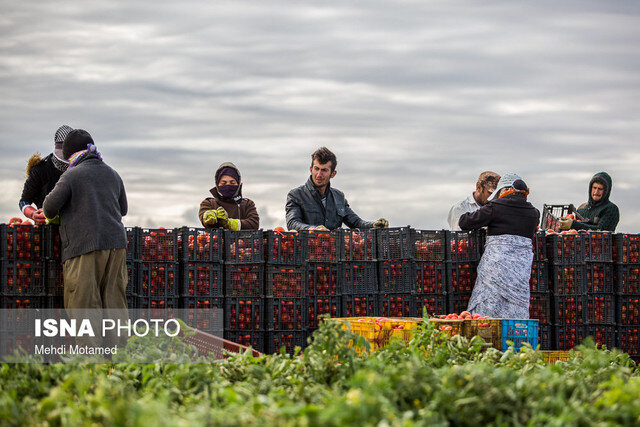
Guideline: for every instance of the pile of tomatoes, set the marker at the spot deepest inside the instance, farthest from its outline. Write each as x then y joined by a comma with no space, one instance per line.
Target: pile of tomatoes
285,282
243,313
322,279
358,246
429,278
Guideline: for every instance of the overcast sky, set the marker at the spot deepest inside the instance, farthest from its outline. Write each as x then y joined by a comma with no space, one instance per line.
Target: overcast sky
415,98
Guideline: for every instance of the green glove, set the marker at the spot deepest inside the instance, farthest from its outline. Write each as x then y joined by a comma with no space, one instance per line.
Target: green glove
565,224
55,220
209,218
233,224
381,223
221,213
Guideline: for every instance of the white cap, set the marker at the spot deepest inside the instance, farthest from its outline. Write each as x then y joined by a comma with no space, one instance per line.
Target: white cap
506,181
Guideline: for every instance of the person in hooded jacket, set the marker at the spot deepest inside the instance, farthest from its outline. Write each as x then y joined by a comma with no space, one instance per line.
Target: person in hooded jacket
42,176
599,213
227,208
502,284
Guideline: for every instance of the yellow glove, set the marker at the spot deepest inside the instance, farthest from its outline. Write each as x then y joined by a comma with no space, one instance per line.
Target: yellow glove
233,224
381,223
565,224
209,218
222,216
55,220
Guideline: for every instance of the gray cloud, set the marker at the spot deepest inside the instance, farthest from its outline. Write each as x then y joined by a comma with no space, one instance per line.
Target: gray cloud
416,98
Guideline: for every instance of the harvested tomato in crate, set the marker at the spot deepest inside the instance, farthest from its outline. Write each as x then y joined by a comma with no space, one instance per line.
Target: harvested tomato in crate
458,301
628,340
284,247
397,305
244,246
322,246
286,281
357,278
626,248
244,280
430,304
23,301
286,313
158,244
566,248
539,247
397,276
159,279
200,244
24,277
599,277
539,281
598,245
21,242
253,339
243,313
570,309
157,303
394,244
322,279
461,277
628,279
463,246
287,339
202,279
600,309
544,336
358,245
319,305
569,279
360,305
540,307
430,277
429,245
602,335
628,309
204,314
569,336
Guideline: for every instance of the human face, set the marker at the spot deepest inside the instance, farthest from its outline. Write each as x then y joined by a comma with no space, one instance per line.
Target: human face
321,173
483,192
226,180
597,191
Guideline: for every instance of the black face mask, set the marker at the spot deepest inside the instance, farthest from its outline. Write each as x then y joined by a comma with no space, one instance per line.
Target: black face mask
227,191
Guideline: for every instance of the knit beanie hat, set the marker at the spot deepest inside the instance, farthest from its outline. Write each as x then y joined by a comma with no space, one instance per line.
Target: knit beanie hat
76,140
58,139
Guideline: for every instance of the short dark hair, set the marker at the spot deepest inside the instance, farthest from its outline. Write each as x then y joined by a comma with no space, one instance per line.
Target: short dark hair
324,155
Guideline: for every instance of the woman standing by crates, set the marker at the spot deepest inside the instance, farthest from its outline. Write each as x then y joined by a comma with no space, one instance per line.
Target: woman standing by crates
502,285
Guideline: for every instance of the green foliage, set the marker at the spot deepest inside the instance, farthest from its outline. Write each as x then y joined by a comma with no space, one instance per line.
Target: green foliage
430,381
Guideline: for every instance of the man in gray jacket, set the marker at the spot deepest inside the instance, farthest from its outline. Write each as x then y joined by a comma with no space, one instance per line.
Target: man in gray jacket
316,205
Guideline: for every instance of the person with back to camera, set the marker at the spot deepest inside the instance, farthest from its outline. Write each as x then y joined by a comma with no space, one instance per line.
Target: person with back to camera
502,284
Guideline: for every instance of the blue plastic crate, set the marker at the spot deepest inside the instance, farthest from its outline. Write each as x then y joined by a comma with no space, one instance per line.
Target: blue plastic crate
519,331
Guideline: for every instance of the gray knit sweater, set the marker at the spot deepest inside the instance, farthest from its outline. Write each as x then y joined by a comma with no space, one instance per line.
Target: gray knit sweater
91,202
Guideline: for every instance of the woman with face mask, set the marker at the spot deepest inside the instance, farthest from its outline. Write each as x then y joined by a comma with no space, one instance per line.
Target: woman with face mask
227,208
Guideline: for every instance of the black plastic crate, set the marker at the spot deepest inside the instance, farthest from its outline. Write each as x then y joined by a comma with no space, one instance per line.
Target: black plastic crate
286,313
204,313
429,245
323,279
430,304
602,335
397,276
253,339
545,338
157,303
286,281
23,301
458,302
244,246
568,336
397,305
200,244
394,244
284,247
358,277
598,245
159,279
360,305
566,248
322,246
57,302
201,279
319,305
599,277
628,340
569,279
539,246
158,244
550,216
540,307
628,309
289,339
430,277
628,279
23,277
55,278
464,246
51,238
21,242
626,248
539,281
600,309
244,313
244,280
461,277
570,310
132,302
358,245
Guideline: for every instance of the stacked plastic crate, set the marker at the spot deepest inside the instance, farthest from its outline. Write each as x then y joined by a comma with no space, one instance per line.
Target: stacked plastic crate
286,302
627,264
567,254
540,299
357,273
429,254
244,306
396,273
600,288
463,252
158,270
202,278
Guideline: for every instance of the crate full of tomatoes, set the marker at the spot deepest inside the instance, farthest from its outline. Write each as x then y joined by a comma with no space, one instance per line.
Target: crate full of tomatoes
463,246
247,338
569,279
628,309
394,243
21,241
244,313
286,313
430,304
204,313
158,244
284,247
599,277
244,280
158,279
627,279
322,245
567,247
461,277
244,246
319,305
598,246
322,279
626,248
23,277
396,276
287,340
429,245
202,279
358,245
360,305
358,277
397,304
200,244
286,281
430,277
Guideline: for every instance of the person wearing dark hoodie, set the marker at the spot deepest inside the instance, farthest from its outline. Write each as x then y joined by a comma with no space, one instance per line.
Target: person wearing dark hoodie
599,213
227,208
502,284
42,176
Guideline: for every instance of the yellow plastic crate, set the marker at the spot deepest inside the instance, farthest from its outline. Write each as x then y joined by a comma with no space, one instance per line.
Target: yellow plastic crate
488,329
449,327
379,330
556,356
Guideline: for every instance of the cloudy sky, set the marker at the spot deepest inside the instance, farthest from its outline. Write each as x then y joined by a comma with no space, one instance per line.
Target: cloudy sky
416,98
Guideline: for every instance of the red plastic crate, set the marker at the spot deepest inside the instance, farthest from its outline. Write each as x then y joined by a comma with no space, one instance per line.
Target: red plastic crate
433,304
628,340
539,281
357,278
598,246
461,277
599,277
429,245
569,279
158,279
243,313
21,242
628,279
600,309
23,277
244,280
570,310
200,244
322,279
202,279
430,278
158,244
626,248
358,245
286,313
319,305
566,248
286,281
628,309
397,305
322,246
282,247
602,335
360,305
540,307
